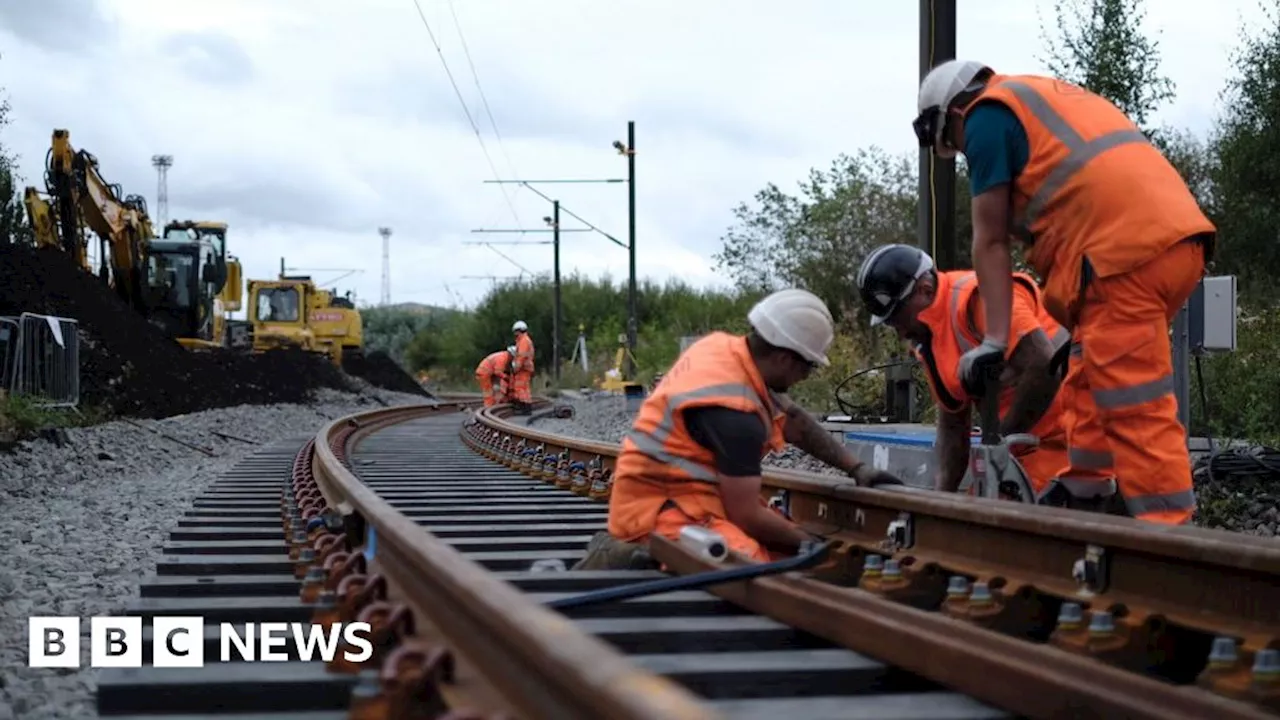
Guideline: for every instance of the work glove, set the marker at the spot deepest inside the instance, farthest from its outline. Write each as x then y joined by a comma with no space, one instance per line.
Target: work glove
868,476
981,365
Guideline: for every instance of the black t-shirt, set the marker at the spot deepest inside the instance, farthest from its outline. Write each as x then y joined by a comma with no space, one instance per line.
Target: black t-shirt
735,437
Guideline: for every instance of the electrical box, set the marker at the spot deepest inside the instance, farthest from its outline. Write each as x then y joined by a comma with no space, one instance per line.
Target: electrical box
1211,315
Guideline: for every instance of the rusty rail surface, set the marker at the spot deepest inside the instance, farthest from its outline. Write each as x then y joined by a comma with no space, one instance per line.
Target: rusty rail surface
447,633
1182,604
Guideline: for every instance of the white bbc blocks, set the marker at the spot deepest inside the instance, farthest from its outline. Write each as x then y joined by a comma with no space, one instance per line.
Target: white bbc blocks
115,642
179,641
53,642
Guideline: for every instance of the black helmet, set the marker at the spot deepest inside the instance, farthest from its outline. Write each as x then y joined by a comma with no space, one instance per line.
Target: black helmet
888,276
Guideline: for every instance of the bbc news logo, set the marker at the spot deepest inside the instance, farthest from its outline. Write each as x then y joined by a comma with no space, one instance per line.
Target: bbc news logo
179,642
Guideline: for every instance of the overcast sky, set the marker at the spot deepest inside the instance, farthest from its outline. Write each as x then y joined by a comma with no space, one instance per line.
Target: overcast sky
307,124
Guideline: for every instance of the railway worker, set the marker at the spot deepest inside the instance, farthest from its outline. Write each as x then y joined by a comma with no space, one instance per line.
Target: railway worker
492,374
693,455
1116,235
522,369
941,315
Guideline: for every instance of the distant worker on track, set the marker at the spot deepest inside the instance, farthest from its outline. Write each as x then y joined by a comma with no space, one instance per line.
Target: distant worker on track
493,374
522,370
941,315
1120,242
693,456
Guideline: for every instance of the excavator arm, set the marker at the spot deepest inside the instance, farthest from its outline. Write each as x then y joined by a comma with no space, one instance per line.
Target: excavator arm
79,197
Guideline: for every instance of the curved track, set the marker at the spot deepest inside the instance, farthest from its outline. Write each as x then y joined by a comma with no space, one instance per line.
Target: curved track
406,518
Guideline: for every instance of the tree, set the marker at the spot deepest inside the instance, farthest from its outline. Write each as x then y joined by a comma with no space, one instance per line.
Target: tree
1101,47
1246,176
14,224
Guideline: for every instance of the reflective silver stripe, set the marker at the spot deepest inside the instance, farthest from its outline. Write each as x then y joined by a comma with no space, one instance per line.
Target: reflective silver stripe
956,315
1079,150
653,443
1060,338
1144,504
1086,488
1114,398
1090,459
646,445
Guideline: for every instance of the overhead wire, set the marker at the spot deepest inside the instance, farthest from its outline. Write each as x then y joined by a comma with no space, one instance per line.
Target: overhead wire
475,128
484,100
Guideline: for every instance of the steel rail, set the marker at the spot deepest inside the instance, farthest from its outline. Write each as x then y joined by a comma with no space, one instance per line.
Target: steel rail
1168,590
535,660
1038,681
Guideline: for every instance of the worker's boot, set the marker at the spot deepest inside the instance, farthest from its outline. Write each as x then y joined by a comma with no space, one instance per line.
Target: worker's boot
524,408
605,552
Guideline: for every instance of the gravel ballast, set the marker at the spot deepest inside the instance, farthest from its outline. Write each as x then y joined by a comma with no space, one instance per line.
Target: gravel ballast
83,522
1246,505
605,418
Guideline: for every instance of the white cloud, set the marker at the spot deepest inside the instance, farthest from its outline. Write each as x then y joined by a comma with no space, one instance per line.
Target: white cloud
306,124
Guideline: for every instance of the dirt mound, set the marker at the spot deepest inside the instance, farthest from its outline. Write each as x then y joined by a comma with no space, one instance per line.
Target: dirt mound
381,371
129,366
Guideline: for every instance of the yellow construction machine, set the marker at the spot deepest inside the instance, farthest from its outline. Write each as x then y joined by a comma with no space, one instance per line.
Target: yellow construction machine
183,283
292,312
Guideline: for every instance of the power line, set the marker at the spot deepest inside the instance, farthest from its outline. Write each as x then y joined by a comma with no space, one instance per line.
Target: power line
483,99
467,111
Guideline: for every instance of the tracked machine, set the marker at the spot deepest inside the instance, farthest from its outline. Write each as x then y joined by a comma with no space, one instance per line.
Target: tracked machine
184,283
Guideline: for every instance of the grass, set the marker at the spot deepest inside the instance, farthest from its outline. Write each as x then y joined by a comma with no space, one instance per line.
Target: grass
22,418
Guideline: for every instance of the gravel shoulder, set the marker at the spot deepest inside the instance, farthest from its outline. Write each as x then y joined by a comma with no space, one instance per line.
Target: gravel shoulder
1249,505
83,522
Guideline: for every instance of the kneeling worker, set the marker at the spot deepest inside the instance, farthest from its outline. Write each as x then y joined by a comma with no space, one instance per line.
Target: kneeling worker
941,315
492,375
693,456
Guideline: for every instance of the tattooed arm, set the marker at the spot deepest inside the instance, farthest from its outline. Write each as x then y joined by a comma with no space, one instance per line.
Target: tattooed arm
1034,386
953,448
806,433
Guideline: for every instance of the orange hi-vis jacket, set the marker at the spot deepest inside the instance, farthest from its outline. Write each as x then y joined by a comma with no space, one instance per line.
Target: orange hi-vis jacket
1093,188
524,354
953,320
661,463
954,325
494,365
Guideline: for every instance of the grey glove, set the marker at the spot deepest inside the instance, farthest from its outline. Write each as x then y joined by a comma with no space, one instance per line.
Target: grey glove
981,365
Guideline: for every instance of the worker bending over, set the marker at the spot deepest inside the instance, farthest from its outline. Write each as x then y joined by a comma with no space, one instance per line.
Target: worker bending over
1120,242
522,369
493,374
941,315
693,456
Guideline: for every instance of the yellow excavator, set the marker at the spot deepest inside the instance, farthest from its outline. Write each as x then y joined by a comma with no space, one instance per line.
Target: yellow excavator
184,283
292,311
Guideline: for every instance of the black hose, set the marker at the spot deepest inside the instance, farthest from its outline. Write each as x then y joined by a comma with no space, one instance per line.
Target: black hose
1255,462
848,408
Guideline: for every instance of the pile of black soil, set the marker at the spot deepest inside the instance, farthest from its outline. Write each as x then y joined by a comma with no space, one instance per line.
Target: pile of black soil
128,367
379,370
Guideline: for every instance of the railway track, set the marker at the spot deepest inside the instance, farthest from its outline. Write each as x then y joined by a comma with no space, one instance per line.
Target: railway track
927,607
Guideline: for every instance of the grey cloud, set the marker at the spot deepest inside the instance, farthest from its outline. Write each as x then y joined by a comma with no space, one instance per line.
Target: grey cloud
211,57
59,25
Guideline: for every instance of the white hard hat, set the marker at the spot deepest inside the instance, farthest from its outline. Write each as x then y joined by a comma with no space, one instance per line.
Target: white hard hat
938,92
796,320
519,326
511,349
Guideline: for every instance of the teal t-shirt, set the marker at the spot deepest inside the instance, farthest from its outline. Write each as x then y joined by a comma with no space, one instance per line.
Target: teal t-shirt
995,146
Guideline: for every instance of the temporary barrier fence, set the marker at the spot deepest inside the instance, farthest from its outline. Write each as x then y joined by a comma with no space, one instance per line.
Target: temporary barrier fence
40,358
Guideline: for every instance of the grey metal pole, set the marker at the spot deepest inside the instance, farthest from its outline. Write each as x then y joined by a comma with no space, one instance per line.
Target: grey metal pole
631,249
936,214
556,322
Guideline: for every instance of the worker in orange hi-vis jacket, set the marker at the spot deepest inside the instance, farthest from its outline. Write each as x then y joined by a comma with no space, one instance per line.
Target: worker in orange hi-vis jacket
492,374
522,369
693,456
940,314
1120,243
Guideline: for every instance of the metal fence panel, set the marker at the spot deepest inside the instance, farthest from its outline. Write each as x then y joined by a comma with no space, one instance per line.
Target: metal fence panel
47,360
9,331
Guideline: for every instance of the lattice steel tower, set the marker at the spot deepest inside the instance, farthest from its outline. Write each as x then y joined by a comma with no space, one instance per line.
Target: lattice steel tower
385,232
162,164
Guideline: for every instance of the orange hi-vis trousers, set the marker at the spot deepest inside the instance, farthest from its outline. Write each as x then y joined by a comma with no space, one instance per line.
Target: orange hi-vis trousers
489,388
1122,361
638,509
